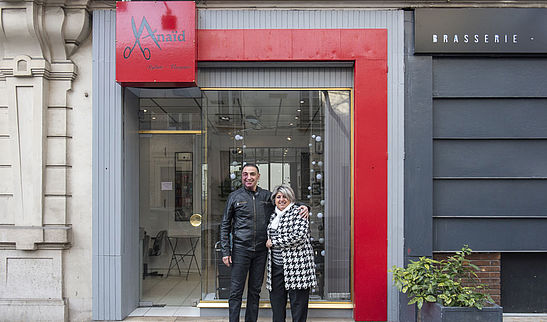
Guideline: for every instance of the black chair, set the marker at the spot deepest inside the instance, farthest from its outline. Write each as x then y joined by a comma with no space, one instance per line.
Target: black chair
156,250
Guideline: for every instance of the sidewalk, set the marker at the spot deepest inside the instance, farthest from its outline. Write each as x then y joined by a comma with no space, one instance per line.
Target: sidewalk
506,318
221,319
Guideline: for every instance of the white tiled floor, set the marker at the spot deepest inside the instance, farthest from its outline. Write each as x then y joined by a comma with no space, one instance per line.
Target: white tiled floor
166,311
171,296
172,291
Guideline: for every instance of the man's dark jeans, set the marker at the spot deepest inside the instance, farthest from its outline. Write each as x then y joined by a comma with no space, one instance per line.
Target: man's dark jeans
243,262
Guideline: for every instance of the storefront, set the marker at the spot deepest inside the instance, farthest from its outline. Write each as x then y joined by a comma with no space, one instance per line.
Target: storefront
304,94
408,128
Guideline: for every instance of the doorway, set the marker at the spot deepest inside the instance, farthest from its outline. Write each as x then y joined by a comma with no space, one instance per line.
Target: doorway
170,203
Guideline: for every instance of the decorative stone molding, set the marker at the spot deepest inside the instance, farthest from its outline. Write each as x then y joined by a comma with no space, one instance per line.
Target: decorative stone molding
37,39
32,238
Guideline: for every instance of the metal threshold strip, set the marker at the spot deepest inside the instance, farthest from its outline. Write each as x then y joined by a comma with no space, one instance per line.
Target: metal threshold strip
266,305
171,132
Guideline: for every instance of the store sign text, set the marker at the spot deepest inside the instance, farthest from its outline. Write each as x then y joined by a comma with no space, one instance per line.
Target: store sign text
476,38
480,31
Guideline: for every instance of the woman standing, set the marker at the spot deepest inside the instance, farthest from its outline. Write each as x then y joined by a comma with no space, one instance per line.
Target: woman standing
291,270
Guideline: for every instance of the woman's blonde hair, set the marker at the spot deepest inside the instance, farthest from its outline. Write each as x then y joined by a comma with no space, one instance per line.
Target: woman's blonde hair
285,190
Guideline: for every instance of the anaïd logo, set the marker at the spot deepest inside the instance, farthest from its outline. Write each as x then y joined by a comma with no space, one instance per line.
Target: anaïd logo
137,33
172,36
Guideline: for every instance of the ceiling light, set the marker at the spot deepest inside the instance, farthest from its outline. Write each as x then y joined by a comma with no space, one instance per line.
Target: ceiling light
296,117
291,124
153,117
289,138
301,101
145,110
299,110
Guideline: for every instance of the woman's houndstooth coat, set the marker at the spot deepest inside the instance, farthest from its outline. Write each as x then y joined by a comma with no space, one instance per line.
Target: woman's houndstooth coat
293,238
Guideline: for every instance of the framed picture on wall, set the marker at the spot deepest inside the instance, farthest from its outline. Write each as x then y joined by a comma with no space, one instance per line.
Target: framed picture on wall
184,186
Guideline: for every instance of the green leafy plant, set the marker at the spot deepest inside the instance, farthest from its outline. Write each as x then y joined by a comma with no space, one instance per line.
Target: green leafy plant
429,280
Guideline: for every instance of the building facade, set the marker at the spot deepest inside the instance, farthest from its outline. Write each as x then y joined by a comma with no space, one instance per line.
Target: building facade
405,139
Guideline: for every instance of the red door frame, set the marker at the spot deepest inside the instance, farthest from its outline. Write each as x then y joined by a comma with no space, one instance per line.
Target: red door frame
367,48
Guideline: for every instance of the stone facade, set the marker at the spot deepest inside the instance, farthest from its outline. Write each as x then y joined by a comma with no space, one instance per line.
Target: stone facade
45,148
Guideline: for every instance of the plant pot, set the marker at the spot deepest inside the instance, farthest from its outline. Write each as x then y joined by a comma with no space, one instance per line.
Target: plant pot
435,312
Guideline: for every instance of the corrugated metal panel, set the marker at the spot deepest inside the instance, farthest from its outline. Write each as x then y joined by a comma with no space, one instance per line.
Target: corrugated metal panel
395,145
297,19
107,171
330,18
276,77
337,192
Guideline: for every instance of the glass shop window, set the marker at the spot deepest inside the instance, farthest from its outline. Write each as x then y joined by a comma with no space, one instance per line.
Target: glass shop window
298,137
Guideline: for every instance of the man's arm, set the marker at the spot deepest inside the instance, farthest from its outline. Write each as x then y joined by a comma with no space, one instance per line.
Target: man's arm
225,229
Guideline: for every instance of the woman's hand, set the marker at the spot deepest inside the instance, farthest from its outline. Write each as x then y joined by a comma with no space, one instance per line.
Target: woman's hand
269,243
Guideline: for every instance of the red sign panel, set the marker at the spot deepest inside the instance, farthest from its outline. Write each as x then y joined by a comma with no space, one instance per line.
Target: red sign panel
156,43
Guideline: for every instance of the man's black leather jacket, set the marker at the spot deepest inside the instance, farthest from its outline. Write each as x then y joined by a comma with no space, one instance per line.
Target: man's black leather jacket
246,217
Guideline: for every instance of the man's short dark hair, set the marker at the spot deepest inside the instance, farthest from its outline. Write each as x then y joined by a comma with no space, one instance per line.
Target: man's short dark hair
251,165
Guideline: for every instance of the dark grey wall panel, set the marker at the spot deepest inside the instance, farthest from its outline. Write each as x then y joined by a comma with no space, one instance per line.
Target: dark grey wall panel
488,118
418,152
418,168
484,234
490,158
492,77
490,198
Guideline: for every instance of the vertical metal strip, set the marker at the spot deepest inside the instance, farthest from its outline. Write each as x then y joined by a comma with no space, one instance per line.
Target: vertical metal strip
107,171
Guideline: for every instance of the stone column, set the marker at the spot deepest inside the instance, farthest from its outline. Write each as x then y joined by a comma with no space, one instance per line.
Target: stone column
37,39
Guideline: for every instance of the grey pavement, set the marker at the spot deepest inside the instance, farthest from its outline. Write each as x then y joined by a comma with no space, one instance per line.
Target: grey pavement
222,319
506,318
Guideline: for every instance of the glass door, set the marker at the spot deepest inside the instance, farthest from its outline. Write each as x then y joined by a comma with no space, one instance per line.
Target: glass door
170,206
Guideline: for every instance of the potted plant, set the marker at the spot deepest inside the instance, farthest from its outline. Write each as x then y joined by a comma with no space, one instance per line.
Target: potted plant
437,288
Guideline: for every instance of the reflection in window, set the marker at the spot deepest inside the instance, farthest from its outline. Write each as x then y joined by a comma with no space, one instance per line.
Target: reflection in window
169,114
297,137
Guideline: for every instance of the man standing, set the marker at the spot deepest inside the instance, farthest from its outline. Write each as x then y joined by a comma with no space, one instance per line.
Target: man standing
246,217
